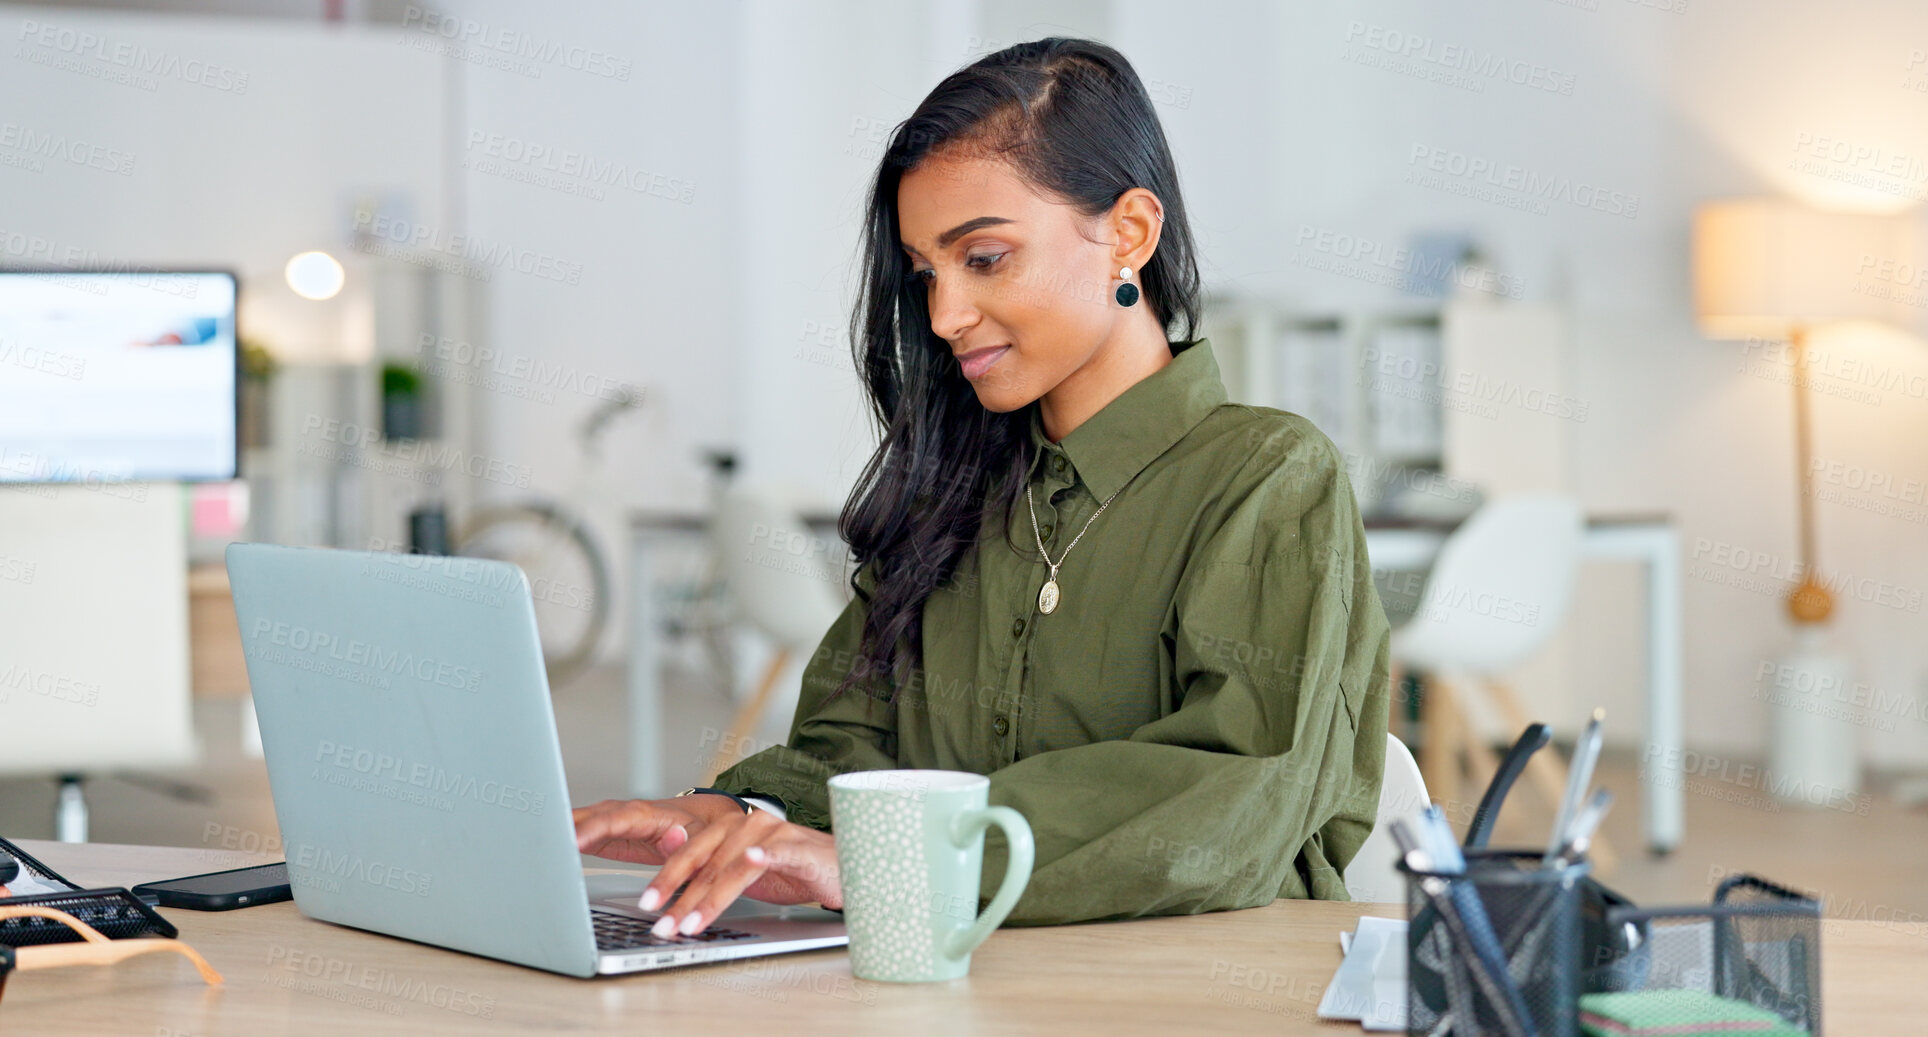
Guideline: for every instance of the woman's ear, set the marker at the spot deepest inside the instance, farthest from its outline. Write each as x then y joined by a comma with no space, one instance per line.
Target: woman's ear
1137,219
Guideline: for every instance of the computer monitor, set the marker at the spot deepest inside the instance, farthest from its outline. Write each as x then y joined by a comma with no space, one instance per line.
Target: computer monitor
118,376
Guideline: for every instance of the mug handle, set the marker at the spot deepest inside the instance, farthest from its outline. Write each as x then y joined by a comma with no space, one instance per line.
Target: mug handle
968,825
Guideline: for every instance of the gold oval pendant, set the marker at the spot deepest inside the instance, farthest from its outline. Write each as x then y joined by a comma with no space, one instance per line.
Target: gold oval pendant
1048,597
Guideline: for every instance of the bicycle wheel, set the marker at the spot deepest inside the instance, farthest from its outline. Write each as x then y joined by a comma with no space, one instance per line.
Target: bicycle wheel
568,576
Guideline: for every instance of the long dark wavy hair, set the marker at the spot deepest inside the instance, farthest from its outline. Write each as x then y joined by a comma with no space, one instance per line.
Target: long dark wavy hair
1072,119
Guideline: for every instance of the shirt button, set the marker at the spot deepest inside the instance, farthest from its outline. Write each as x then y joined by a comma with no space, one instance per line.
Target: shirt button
1045,532
1017,627
1001,726
1057,464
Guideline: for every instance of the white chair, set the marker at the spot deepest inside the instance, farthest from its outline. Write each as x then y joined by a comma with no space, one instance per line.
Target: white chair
1370,875
783,580
94,646
1499,588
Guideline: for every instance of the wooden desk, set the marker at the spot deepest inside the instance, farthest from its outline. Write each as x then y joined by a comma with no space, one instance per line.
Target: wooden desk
1256,971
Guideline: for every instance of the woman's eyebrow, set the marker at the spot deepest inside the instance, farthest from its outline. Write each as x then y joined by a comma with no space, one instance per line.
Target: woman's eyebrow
944,240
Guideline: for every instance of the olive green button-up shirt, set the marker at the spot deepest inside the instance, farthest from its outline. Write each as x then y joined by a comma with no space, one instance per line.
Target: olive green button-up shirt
1201,723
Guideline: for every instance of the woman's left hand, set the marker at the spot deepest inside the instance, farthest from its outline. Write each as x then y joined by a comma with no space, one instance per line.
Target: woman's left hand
756,854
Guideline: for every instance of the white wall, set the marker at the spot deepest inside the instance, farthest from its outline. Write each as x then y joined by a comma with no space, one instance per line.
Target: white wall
729,309
244,172
1287,129
658,300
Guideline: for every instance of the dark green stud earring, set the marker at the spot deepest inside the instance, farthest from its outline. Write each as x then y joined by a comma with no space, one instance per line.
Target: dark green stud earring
1127,293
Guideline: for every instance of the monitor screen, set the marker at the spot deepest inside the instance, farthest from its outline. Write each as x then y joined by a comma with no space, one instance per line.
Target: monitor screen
109,377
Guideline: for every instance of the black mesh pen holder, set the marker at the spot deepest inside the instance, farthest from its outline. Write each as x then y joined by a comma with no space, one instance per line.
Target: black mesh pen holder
1602,940
1757,943
1497,950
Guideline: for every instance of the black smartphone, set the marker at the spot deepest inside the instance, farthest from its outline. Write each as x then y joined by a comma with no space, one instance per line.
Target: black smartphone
222,890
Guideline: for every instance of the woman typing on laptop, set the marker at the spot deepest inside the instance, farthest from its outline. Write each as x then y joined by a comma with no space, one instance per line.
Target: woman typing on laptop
1144,611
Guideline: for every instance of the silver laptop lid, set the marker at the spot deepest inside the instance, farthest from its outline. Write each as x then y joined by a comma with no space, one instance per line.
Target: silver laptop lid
412,750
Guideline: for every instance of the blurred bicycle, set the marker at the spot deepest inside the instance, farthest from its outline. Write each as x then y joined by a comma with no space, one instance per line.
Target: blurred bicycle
570,576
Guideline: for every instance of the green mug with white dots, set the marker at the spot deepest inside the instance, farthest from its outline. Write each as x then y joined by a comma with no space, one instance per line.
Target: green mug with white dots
910,855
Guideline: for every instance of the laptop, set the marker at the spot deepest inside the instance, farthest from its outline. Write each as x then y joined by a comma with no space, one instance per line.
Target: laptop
417,778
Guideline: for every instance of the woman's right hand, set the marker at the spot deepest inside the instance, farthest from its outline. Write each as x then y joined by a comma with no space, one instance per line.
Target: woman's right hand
645,831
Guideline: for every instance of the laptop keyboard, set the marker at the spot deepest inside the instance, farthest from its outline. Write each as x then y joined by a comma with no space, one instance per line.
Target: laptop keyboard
620,932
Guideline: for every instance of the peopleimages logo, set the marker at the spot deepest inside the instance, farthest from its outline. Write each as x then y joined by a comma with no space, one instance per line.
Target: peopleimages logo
319,431
461,361
547,166
341,980
18,677
1676,768
1474,387
373,765
1785,684
1472,66
1528,183
72,50
515,43
1719,562
323,869
1349,255
1442,601
36,145
477,256
43,360
354,652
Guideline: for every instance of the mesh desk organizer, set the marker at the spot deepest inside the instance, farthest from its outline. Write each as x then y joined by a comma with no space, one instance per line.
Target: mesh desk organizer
116,912
1581,960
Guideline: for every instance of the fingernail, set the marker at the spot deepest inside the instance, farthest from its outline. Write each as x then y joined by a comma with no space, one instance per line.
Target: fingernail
755,853
691,923
651,897
665,926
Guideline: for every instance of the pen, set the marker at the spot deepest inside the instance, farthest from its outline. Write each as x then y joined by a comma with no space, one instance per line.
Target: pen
1459,1000
1532,740
1459,910
1585,823
1586,752
1528,937
1458,907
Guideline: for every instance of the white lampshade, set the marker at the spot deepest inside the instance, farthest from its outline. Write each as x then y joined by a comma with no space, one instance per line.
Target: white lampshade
1763,265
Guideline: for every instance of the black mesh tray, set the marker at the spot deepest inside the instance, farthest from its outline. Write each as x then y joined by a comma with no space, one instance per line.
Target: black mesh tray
32,866
1757,942
117,913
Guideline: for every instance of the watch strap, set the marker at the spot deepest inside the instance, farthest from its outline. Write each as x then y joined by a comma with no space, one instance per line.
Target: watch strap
748,808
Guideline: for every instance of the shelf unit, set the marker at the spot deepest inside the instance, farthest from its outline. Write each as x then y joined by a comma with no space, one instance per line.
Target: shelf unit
1366,376
326,476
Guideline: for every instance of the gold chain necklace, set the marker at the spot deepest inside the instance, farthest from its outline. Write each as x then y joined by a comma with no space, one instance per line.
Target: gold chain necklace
1049,594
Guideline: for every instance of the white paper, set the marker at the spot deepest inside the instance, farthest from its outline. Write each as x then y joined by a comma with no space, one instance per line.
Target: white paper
1370,984
25,884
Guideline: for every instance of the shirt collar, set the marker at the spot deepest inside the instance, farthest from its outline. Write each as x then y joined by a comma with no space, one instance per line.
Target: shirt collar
1116,443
